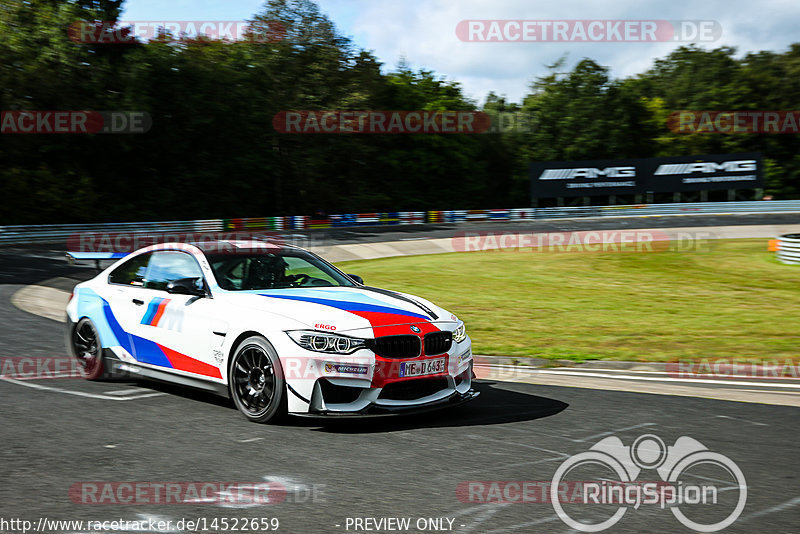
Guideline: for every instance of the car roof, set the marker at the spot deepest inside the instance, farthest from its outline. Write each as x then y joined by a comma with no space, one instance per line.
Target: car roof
244,246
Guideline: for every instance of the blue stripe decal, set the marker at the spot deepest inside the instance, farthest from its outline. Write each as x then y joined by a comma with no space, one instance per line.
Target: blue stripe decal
143,350
149,352
349,306
97,255
121,335
92,305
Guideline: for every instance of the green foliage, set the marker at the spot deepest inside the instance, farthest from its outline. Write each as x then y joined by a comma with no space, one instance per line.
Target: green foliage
212,150
692,78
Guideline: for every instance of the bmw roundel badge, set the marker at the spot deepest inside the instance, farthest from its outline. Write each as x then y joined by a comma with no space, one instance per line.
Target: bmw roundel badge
415,329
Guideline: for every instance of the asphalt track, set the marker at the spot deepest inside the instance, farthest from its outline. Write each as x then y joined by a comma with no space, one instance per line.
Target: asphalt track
56,433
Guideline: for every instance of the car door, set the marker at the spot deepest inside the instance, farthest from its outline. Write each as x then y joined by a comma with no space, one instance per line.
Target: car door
174,330
124,295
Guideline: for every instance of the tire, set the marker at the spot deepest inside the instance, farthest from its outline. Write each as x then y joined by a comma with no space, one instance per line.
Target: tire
86,348
256,382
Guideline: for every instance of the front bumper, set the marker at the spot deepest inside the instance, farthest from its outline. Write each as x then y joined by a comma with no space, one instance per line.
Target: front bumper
333,396
364,383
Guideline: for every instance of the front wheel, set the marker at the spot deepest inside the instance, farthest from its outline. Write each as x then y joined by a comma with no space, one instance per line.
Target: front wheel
256,381
87,349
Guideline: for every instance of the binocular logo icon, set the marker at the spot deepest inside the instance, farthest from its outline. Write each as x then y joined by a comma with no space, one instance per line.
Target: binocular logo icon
648,452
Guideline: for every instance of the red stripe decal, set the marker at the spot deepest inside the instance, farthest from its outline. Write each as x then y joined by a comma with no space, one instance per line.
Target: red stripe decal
381,319
160,312
186,363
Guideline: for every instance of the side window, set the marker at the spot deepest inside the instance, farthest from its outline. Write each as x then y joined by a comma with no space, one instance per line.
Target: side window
170,265
131,273
231,272
299,266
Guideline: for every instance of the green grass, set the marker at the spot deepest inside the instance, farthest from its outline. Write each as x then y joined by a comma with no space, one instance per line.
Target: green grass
735,300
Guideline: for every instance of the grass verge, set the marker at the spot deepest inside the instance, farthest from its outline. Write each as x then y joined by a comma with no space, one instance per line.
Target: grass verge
734,300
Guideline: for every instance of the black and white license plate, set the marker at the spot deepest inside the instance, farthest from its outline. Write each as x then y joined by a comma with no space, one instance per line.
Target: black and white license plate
424,367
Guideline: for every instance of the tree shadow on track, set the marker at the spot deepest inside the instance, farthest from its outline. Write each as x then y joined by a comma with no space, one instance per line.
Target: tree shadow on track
497,404
31,266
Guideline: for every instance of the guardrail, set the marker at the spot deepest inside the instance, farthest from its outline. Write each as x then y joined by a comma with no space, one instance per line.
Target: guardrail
61,232
789,248
53,233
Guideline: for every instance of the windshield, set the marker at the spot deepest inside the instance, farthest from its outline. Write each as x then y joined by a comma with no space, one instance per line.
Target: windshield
261,270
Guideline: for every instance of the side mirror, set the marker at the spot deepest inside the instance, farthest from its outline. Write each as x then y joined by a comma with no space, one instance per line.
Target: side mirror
356,279
187,286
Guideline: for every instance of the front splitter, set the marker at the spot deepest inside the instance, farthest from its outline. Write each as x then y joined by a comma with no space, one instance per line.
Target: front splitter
384,411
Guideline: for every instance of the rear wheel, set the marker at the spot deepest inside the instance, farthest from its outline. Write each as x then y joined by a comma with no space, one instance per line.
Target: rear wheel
256,381
87,349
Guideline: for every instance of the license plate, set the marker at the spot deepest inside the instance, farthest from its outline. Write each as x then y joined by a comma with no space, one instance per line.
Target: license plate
424,367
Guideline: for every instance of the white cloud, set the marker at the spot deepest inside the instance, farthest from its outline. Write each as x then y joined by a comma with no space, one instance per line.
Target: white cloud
423,31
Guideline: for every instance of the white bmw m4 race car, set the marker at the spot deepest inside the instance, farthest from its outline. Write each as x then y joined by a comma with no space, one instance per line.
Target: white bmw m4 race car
276,328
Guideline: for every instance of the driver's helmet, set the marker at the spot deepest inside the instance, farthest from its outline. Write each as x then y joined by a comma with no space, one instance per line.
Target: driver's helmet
268,270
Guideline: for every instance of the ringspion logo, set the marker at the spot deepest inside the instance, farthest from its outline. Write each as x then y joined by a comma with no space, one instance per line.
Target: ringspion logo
692,503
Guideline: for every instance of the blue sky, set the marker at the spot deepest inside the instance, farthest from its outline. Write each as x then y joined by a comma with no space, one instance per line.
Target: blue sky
423,32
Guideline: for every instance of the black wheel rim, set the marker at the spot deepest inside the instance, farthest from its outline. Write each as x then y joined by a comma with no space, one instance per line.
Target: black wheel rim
254,379
87,349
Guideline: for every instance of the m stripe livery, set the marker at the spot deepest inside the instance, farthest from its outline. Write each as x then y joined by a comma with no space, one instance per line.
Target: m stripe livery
155,310
377,314
150,352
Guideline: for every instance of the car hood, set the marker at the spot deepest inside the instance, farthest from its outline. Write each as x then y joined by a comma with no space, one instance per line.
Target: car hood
356,311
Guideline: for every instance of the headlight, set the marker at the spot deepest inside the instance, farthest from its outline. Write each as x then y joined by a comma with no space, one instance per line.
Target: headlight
324,342
460,334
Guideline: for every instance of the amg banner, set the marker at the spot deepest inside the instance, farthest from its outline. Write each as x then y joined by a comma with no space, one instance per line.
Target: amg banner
635,176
